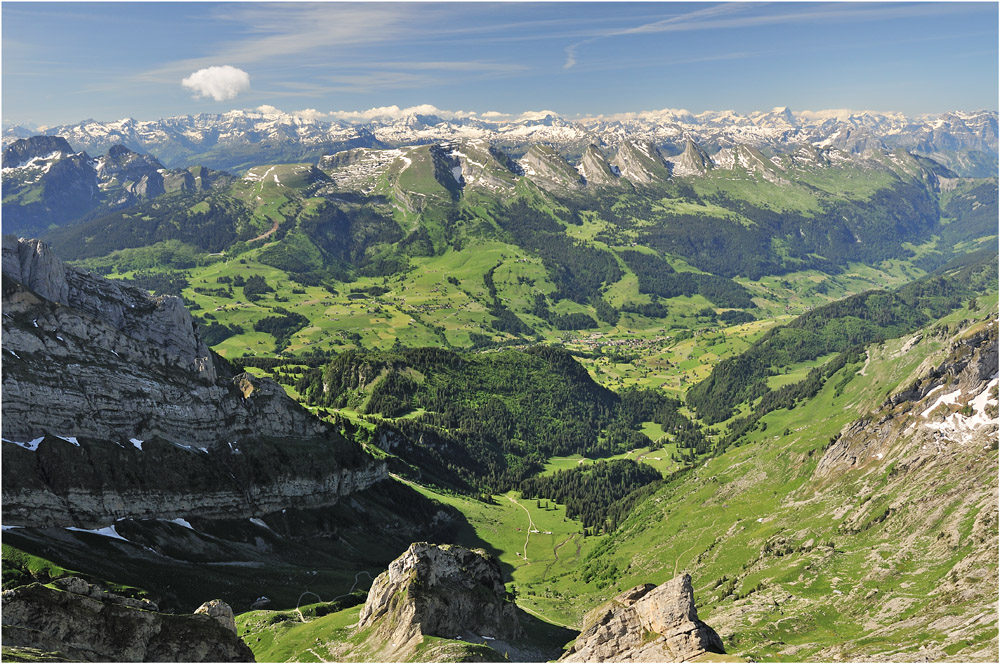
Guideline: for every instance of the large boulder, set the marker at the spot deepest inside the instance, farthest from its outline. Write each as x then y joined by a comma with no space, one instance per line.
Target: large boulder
646,624
444,591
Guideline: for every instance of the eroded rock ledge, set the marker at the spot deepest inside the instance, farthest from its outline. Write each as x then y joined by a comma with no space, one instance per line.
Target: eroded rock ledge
84,622
646,624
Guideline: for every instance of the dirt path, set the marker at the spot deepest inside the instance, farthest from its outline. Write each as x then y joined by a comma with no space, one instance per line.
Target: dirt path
308,592
356,577
531,525
316,655
265,234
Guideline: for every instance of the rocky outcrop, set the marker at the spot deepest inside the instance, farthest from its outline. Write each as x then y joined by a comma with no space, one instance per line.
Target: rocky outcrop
444,591
646,624
693,161
641,163
114,407
82,623
595,169
24,150
220,611
950,408
546,168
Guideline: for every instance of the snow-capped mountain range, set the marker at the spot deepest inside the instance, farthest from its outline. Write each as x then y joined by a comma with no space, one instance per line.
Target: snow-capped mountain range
965,141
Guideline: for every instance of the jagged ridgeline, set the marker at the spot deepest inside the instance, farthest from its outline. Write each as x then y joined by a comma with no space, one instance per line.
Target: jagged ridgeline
533,245
488,420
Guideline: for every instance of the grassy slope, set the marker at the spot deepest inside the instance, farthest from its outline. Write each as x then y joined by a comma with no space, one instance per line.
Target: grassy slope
754,526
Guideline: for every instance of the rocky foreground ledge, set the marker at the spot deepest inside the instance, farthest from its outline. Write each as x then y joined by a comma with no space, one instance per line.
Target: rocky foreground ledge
646,624
79,621
439,591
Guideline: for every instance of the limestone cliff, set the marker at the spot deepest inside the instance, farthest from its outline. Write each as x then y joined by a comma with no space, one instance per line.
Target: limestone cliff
84,623
646,624
546,168
114,407
595,169
641,163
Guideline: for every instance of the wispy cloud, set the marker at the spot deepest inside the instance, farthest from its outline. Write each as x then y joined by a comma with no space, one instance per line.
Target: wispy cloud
271,32
754,15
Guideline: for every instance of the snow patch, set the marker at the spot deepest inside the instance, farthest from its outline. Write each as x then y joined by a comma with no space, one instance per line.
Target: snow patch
258,522
31,445
182,522
138,443
104,532
70,439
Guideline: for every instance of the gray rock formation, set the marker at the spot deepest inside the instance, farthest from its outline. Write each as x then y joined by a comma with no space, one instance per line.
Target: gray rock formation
222,612
693,161
641,163
114,407
96,626
595,168
646,624
546,168
444,591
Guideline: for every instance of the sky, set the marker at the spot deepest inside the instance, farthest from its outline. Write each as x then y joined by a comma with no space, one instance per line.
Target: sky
66,62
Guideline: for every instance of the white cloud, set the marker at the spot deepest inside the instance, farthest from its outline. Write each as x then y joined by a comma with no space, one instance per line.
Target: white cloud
310,114
536,115
394,112
219,83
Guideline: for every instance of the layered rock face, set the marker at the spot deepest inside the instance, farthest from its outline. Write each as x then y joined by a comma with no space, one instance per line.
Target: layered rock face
444,591
646,624
85,623
114,407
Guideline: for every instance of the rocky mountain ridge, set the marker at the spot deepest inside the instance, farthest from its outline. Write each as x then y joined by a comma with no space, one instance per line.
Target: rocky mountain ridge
46,182
191,421
965,141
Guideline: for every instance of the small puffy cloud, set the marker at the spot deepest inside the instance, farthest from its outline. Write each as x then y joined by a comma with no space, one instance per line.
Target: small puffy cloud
267,109
219,83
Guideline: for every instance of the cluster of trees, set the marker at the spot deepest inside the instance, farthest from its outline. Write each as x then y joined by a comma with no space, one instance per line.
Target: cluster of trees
214,332
161,283
573,321
578,270
281,326
492,419
255,284
590,493
656,277
504,320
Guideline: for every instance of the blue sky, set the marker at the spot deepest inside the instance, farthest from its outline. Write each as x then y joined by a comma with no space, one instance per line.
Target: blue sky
64,62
